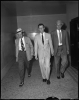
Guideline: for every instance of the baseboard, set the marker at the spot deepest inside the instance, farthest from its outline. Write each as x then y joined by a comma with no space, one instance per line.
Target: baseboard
6,68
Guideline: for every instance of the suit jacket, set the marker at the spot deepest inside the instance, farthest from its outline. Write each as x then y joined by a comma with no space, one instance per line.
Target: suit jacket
64,41
29,47
43,50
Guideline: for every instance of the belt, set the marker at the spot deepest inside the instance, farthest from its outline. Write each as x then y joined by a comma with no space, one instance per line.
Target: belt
60,45
21,50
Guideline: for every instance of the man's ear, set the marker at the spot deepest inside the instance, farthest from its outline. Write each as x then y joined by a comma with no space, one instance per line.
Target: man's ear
44,27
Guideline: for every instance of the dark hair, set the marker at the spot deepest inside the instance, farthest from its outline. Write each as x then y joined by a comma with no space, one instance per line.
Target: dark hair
40,25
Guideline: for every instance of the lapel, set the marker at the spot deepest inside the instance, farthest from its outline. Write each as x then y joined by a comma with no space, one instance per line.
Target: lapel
56,36
45,38
17,44
40,38
25,40
62,35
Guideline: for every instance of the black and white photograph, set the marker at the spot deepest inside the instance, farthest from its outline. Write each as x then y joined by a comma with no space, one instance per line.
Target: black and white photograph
39,49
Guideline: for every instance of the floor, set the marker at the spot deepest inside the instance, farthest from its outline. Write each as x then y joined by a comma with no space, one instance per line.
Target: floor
34,88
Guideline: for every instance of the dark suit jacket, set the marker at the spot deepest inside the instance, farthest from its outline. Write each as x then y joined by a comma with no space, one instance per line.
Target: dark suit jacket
64,41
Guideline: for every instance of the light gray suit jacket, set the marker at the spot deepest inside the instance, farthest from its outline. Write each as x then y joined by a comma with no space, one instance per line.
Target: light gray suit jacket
43,50
29,47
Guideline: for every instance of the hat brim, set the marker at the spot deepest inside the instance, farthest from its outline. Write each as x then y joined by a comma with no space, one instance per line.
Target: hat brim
19,31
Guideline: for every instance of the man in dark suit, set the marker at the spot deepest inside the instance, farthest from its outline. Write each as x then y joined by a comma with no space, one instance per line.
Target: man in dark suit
61,49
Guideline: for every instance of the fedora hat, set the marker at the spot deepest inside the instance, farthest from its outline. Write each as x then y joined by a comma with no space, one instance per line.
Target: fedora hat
19,30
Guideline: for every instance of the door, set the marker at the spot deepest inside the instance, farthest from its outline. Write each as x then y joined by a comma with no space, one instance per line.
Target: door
74,42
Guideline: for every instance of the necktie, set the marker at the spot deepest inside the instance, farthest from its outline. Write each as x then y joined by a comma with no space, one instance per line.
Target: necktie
22,45
60,36
42,39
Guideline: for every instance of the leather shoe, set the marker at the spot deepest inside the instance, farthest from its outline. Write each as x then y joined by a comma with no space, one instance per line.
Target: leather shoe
48,82
58,77
62,75
21,84
44,80
29,75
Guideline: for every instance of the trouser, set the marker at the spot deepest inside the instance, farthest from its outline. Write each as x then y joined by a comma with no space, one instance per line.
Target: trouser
60,61
30,66
23,64
45,67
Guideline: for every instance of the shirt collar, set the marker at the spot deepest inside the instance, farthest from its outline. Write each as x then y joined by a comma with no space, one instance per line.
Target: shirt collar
58,30
22,38
43,33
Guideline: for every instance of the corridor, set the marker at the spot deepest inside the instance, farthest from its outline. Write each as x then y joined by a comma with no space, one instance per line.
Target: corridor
34,88
27,15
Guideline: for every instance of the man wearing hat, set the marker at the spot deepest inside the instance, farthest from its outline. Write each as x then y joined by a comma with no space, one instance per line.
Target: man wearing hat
61,48
24,53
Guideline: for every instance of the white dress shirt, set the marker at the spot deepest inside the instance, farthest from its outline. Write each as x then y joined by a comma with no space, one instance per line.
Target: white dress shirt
43,35
23,43
59,37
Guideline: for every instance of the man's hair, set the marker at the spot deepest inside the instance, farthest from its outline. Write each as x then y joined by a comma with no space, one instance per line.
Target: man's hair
40,25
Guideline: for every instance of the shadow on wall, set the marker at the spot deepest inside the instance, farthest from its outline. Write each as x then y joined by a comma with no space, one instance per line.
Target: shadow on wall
64,27
46,29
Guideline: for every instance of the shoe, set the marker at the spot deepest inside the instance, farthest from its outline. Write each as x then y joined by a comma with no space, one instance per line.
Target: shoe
48,82
21,84
58,77
62,75
44,80
29,75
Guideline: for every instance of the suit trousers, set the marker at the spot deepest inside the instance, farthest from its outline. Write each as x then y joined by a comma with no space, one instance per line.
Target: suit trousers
45,67
23,64
60,60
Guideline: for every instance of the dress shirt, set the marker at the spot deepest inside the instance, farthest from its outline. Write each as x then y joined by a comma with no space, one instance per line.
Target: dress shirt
59,37
23,43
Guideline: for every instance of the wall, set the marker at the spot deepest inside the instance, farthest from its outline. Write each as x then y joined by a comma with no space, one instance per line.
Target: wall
72,12
30,23
8,28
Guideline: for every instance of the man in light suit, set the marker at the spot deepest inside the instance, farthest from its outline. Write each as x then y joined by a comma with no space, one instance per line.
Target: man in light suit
43,49
61,48
24,53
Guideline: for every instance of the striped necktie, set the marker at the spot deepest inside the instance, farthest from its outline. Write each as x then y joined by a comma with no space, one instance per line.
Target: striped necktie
22,45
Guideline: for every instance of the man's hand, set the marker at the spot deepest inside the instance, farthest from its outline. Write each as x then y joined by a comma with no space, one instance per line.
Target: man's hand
53,54
36,58
67,52
31,56
16,59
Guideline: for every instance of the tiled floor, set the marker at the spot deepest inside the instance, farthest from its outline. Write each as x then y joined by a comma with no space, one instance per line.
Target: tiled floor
34,88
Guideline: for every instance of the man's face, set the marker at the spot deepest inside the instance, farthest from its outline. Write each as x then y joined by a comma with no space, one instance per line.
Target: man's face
41,28
20,35
59,24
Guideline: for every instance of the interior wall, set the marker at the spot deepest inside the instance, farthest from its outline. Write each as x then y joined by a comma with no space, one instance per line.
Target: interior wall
72,12
30,23
8,28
